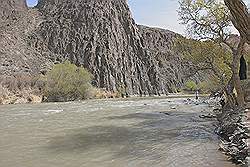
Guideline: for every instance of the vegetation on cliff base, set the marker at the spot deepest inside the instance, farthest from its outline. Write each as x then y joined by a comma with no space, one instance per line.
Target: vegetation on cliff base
20,88
67,82
64,82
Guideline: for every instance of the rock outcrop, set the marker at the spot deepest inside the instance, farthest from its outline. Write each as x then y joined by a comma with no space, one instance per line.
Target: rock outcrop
9,9
98,35
159,44
16,23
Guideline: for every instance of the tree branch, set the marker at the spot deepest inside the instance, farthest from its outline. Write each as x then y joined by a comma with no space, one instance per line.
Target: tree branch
240,17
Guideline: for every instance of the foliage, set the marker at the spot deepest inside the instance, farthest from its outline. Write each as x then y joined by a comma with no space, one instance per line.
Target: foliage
67,82
206,55
209,19
104,94
20,82
20,88
247,55
205,19
191,86
4,92
121,90
212,85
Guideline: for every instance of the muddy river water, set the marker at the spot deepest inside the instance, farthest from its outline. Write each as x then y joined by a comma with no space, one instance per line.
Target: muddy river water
109,133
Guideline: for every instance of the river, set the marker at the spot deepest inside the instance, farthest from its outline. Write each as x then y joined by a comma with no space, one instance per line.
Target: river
109,133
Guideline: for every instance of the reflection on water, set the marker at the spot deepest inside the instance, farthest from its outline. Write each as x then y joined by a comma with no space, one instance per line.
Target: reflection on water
102,133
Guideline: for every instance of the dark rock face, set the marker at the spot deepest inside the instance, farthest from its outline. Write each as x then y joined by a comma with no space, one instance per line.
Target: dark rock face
10,8
171,69
16,23
102,36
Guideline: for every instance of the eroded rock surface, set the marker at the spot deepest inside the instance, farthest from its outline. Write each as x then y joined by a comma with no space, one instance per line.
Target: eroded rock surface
9,9
99,35
16,23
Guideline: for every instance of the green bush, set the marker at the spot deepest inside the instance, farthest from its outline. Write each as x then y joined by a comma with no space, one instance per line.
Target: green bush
212,85
191,86
67,82
121,91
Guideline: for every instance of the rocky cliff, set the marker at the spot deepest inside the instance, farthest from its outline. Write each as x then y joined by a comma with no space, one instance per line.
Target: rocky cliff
99,35
9,9
16,24
171,69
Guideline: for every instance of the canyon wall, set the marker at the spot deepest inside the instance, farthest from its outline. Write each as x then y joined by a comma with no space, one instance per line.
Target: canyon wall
10,8
101,36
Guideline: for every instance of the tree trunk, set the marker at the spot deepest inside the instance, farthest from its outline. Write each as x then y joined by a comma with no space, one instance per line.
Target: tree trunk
235,69
237,85
240,17
228,91
248,88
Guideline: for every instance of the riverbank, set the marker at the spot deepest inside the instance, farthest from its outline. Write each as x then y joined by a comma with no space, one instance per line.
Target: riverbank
29,98
233,131
24,97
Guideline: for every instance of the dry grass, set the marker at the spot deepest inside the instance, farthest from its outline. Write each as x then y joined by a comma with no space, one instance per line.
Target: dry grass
20,89
103,94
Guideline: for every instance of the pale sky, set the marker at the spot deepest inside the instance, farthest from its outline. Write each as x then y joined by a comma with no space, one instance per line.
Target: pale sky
154,13
157,13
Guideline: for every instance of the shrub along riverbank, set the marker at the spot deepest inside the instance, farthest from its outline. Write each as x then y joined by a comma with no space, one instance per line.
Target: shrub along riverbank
64,82
67,82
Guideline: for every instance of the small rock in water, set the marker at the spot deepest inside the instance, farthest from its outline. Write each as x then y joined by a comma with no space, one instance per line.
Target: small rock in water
207,116
165,113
